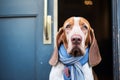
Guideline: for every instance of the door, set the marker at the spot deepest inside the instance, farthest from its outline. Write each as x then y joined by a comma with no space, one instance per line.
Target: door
23,54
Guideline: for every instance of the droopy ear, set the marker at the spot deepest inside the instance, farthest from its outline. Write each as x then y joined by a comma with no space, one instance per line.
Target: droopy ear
94,53
54,59
59,37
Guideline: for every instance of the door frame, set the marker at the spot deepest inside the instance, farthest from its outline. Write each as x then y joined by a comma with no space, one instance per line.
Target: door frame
55,19
116,38
116,34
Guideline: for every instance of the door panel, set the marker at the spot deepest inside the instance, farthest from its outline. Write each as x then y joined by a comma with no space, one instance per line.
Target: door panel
17,48
18,7
23,56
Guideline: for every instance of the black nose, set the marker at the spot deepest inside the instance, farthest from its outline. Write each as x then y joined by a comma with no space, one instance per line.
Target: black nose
76,40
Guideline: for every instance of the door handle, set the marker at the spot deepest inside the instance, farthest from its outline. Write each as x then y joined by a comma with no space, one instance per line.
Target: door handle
47,25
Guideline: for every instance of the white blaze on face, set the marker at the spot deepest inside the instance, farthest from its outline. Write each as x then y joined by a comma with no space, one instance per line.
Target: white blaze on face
76,30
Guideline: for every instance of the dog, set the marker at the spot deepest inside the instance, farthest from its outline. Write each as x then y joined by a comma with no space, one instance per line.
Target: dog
74,38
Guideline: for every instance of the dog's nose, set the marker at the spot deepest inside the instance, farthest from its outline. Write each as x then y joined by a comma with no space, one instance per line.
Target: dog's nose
76,40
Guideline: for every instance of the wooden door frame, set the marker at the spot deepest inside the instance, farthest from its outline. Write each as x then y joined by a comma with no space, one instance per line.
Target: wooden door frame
55,19
116,38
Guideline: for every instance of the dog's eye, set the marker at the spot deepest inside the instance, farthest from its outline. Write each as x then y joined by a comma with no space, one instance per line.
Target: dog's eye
85,27
68,26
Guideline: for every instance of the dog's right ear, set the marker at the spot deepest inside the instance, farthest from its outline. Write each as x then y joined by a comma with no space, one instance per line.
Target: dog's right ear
94,53
59,38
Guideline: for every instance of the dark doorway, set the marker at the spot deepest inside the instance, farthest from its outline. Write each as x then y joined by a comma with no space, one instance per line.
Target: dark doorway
99,16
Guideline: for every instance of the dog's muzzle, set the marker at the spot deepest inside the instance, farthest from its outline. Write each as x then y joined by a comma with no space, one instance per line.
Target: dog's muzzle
76,52
76,41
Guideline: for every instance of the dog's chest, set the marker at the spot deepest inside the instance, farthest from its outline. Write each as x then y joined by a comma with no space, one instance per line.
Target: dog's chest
57,72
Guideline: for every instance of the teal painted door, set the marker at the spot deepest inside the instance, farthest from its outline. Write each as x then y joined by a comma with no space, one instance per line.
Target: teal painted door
23,56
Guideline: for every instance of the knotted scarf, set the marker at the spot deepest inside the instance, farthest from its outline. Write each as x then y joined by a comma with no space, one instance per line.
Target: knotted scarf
73,63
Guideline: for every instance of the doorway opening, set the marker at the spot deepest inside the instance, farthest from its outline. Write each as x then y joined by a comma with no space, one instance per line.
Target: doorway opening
99,15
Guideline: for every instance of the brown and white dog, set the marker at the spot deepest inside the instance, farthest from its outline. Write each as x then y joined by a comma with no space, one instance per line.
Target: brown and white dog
76,35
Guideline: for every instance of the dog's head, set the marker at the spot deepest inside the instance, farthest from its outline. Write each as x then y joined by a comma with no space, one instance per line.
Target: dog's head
76,35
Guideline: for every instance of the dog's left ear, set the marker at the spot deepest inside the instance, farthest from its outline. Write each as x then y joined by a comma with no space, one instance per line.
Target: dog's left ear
94,53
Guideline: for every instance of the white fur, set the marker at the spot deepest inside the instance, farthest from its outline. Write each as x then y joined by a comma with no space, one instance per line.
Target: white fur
57,72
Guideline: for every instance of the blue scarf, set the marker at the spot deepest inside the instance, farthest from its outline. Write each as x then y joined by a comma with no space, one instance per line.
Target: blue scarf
73,63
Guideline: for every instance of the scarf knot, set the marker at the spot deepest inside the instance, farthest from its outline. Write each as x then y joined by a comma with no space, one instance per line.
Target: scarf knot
74,64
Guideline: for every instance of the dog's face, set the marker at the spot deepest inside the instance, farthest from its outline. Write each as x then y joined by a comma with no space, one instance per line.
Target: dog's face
76,30
76,35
